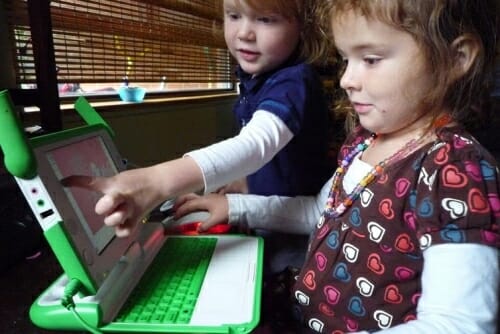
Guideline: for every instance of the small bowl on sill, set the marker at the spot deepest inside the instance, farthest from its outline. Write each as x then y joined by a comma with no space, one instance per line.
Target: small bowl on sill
131,94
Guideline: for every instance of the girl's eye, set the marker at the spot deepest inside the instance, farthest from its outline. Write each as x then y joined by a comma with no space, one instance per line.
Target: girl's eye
372,60
232,16
266,19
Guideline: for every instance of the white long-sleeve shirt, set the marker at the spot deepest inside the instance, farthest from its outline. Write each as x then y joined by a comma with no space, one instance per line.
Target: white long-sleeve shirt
234,158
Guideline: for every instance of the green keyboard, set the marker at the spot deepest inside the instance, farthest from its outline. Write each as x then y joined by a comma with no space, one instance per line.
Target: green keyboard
169,289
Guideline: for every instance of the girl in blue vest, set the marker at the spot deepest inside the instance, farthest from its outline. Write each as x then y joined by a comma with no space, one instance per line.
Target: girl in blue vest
282,148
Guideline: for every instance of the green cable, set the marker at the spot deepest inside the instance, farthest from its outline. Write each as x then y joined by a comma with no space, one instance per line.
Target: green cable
67,301
84,324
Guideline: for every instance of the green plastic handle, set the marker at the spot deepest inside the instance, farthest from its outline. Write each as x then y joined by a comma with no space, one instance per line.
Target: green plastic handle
90,115
19,158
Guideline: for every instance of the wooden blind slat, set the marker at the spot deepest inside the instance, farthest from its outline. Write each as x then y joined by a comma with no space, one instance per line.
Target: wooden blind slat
102,41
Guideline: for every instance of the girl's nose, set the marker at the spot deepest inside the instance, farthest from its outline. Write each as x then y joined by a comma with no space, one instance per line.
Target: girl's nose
245,31
348,80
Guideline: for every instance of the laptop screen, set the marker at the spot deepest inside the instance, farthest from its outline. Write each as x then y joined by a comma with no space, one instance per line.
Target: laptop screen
88,151
85,157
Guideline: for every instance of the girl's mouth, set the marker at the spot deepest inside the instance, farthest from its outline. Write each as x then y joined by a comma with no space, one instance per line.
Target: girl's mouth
248,55
361,108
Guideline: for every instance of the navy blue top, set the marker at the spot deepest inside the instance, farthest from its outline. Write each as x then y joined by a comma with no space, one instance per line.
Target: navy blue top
295,94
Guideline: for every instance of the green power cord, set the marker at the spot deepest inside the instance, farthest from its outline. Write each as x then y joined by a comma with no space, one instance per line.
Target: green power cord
72,288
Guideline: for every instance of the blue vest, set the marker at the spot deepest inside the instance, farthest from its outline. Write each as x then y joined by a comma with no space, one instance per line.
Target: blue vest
295,94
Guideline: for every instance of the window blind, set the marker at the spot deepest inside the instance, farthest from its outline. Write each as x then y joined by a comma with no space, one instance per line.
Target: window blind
99,41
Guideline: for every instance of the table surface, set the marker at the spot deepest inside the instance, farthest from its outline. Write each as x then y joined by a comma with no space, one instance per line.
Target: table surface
21,284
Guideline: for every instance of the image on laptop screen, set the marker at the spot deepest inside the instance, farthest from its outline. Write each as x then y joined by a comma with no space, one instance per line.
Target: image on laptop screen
85,157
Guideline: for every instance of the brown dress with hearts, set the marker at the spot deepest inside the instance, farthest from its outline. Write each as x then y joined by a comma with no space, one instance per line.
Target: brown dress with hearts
363,269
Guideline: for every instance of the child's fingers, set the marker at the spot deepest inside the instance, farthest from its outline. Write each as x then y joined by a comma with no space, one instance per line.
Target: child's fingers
192,205
118,216
82,181
123,220
209,223
111,205
179,201
107,204
124,230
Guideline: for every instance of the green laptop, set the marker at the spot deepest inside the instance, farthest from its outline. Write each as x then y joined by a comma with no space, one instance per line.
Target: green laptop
152,281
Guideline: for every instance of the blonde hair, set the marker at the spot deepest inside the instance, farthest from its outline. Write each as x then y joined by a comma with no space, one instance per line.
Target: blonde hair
313,47
435,25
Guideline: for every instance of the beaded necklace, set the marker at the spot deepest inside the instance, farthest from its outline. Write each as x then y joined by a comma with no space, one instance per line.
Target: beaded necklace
330,210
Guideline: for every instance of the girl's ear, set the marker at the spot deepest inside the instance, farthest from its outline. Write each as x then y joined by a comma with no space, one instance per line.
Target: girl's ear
466,49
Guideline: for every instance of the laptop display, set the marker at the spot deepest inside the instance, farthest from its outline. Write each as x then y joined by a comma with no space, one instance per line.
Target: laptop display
92,159
92,248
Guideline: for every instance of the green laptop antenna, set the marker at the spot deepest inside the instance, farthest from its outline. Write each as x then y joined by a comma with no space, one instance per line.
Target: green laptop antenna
19,158
90,115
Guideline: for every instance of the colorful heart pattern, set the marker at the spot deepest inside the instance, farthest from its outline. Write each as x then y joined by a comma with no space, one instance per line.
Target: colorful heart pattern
366,263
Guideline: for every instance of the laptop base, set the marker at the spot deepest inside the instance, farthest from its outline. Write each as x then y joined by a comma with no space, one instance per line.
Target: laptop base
59,308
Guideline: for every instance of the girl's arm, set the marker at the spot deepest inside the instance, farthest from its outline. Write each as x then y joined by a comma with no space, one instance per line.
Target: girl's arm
459,291
298,215
234,158
129,196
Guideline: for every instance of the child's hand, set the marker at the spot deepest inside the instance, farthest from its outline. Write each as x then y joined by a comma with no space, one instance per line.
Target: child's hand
126,198
215,204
